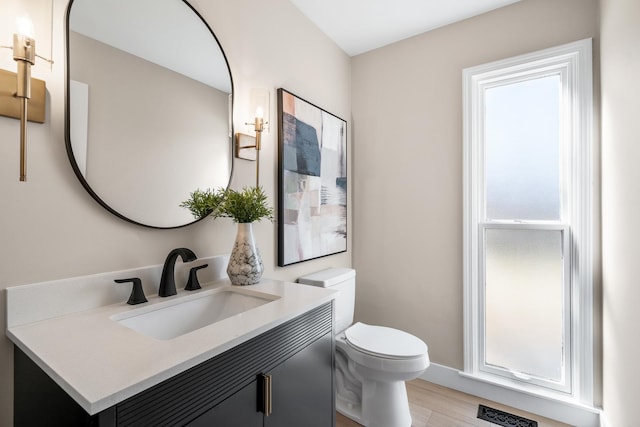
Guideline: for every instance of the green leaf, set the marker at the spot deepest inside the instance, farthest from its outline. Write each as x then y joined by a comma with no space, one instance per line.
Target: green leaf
246,206
204,202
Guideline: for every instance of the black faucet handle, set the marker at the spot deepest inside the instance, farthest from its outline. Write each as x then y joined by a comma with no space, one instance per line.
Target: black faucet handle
137,294
192,283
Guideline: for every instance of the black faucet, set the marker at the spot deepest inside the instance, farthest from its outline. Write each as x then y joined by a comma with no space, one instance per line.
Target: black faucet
168,281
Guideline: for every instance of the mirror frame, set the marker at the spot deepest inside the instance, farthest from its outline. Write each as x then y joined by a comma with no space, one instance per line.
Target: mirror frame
67,123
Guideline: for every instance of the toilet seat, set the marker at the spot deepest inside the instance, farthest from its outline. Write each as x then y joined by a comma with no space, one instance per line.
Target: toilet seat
384,342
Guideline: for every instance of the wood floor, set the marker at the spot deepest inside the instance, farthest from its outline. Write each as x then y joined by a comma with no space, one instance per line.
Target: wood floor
436,406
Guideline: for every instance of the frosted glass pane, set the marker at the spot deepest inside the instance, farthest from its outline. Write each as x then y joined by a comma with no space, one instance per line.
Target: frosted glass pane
522,150
524,318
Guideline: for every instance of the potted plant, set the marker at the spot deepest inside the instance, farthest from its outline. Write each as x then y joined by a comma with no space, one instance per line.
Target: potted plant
244,207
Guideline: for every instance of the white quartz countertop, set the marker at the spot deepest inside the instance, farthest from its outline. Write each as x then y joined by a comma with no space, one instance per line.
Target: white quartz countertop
100,362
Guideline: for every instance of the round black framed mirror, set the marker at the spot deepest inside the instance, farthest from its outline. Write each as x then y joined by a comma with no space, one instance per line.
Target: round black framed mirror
149,102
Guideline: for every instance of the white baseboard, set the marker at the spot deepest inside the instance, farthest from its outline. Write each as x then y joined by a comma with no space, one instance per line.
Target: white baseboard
571,413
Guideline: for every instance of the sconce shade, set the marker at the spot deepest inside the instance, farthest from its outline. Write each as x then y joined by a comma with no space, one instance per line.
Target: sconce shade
10,104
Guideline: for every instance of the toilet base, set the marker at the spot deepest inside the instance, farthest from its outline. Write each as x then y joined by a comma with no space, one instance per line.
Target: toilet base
384,404
349,410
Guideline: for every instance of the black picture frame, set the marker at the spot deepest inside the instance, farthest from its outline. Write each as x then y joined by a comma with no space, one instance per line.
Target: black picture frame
312,181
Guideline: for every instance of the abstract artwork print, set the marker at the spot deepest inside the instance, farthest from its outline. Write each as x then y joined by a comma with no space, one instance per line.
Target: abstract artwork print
312,208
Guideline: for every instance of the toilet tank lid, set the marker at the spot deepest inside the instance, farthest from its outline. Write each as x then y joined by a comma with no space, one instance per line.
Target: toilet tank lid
328,277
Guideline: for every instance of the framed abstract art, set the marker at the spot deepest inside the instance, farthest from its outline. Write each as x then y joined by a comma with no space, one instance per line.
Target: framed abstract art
312,180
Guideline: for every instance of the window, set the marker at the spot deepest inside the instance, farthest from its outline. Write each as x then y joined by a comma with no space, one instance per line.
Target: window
527,225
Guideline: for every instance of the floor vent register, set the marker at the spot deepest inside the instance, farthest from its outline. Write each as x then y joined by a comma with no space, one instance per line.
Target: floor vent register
504,419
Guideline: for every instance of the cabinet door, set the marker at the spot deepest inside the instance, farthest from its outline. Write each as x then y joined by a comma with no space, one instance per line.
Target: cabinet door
239,410
302,388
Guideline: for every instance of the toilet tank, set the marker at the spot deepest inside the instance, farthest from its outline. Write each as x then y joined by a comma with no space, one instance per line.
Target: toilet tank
339,279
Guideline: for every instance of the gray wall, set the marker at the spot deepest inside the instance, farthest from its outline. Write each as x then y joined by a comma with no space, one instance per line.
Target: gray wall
407,121
621,209
51,228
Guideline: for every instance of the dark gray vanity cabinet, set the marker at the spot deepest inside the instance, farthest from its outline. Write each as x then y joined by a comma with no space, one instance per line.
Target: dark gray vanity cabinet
228,390
298,394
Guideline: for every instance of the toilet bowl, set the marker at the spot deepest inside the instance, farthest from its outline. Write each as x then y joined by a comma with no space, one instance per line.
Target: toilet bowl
372,362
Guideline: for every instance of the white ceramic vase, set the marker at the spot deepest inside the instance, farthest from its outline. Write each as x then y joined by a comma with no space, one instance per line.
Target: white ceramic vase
245,265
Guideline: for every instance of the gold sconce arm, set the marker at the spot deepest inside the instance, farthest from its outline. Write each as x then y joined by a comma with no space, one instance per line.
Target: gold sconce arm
241,139
24,53
258,102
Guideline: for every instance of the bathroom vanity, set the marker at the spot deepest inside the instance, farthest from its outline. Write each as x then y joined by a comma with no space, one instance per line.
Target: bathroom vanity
89,363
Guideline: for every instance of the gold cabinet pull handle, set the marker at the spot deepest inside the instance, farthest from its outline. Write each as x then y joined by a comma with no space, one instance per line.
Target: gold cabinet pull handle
267,397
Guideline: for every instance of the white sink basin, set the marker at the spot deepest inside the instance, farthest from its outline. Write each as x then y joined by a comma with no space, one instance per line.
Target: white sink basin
171,319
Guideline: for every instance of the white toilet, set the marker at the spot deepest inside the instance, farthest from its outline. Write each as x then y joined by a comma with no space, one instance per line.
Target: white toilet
372,362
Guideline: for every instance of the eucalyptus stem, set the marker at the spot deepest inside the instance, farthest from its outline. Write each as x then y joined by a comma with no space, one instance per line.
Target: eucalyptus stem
245,206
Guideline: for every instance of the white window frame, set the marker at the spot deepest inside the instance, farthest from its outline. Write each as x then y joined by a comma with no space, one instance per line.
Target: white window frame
573,62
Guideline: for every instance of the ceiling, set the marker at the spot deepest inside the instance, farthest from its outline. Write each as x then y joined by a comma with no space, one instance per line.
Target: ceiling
358,26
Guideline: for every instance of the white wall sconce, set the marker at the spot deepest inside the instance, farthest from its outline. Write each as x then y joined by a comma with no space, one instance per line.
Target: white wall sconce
17,89
259,102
